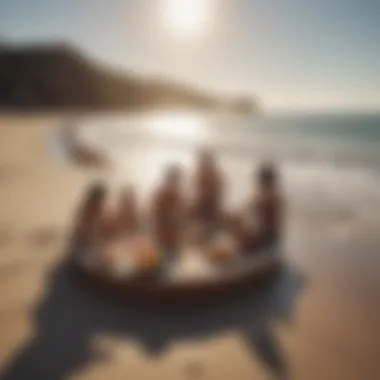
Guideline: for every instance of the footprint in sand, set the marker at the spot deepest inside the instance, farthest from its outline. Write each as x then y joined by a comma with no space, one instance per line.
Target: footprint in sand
195,370
5,237
9,172
45,237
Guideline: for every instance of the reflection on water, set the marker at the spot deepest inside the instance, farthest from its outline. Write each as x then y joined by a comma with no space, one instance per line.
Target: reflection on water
180,124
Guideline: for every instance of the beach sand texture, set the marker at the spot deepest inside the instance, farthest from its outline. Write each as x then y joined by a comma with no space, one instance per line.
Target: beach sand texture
321,321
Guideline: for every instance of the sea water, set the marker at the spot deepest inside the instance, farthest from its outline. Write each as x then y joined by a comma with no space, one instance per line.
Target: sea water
329,163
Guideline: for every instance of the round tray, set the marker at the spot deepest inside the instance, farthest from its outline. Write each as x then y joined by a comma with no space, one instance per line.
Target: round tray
248,269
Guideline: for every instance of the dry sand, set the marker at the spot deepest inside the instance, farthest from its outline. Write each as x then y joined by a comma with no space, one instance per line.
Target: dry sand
50,330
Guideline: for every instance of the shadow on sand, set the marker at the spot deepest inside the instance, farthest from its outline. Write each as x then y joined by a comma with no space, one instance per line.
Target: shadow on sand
70,315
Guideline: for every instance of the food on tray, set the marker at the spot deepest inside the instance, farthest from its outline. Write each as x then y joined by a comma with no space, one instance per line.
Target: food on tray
219,252
222,249
146,252
192,265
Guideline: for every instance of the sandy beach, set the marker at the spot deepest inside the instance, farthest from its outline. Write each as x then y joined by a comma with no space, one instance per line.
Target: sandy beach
327,328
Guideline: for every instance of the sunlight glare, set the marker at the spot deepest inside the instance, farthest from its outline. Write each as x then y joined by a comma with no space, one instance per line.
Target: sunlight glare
185,16
178,125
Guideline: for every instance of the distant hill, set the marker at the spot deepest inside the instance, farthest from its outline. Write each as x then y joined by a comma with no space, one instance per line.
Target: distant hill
61,78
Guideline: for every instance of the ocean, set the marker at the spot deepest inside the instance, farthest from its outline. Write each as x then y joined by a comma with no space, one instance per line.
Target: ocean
329,164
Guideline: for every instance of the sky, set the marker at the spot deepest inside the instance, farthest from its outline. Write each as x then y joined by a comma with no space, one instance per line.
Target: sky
293,54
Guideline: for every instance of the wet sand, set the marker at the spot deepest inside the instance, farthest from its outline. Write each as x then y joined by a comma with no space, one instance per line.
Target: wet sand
326,327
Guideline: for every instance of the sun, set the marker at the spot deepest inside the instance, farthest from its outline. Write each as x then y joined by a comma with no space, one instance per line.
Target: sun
186,17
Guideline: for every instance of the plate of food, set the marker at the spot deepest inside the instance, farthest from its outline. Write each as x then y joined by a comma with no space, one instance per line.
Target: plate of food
222,249
147,256
191,264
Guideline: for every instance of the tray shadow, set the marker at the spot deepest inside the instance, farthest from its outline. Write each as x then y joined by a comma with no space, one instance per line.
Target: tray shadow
69,315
